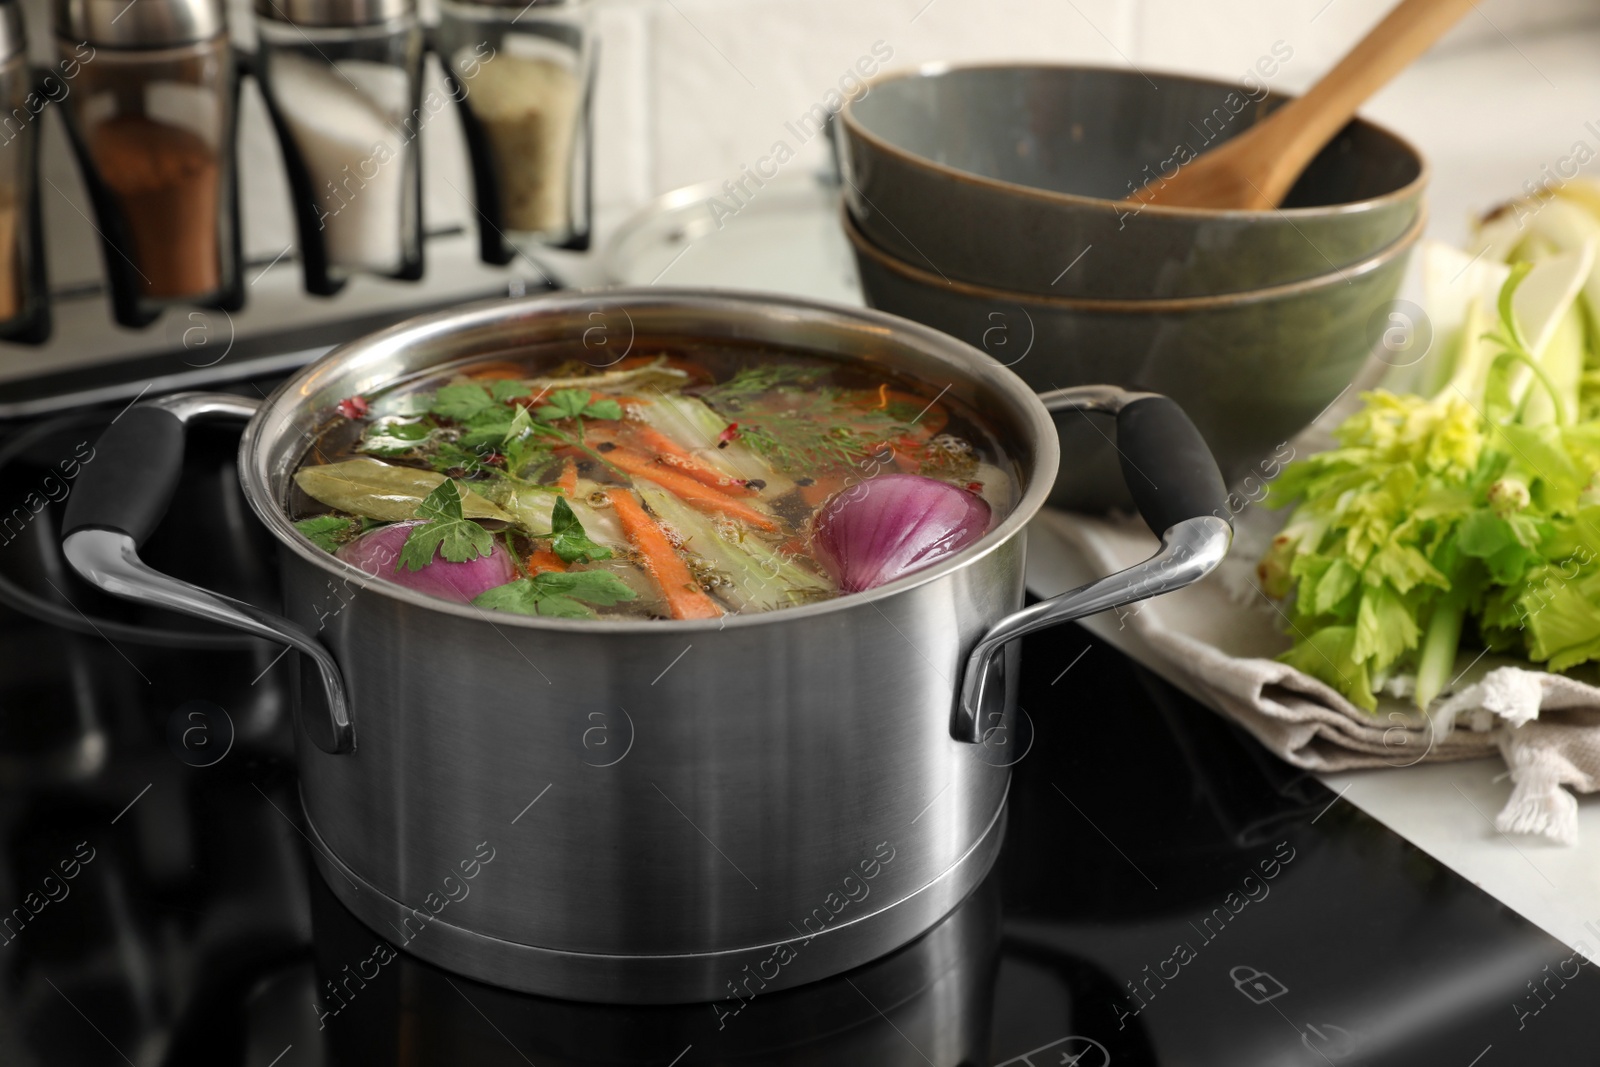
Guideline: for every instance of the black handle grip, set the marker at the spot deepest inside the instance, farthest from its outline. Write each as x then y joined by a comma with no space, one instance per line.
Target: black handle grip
1167,465
135,471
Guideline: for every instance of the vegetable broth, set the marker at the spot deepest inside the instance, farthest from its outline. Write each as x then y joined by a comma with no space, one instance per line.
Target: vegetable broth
688,482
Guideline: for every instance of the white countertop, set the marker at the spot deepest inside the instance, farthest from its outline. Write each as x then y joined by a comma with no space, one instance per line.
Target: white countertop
1448,810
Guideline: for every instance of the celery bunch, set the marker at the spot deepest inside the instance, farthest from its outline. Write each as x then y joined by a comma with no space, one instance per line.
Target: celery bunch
1468,511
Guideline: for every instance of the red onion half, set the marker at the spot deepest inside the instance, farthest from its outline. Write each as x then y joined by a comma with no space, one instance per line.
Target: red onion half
378,553
885,528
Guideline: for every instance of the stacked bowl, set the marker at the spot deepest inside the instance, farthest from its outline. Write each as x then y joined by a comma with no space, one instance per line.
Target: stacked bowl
989,202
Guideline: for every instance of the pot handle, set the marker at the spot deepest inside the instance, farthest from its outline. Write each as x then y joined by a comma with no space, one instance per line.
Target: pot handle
1173,480
121,498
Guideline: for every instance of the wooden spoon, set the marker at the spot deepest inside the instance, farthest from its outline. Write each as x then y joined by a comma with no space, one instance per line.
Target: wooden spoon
1256,169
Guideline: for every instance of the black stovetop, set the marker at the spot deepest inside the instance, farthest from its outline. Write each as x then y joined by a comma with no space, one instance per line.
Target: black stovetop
1168,892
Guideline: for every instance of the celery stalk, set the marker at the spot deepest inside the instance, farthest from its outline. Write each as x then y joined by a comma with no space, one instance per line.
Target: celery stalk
694,425
1561,366
1437,657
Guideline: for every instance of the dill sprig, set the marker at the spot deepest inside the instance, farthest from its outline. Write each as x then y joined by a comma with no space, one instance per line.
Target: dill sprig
751,382
794,423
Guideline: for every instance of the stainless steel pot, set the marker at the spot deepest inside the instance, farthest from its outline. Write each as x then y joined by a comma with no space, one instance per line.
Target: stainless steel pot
643,811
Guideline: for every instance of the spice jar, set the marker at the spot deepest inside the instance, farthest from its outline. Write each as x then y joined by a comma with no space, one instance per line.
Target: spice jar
342,80
522,74
24,305
152,122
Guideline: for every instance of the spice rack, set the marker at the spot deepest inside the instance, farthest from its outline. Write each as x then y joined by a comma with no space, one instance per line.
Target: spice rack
169,326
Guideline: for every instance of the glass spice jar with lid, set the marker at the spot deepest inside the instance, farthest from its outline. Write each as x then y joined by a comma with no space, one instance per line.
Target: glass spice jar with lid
24,300
152,120
342,79
522,73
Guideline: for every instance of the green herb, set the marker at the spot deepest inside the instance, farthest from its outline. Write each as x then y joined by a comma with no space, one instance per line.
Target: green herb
567,538
559,594
508,389
577,404
395,437
764,378
456,538
327,532
487,427
519,452
462,402
567,404
521,426
793,442
793,423
524,442
449,456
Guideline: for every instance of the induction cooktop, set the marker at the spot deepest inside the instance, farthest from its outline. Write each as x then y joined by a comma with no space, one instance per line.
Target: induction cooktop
1168,893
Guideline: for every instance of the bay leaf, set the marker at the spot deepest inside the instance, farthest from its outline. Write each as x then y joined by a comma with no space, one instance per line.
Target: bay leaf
383,491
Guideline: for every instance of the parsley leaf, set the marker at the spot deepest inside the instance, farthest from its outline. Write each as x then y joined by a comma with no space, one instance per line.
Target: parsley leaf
567,538
565,404
508,389
462,402
603,409
395,437
558,594
596,587
576,404
524,442
521,423
488,427
449,456
446,532
327,532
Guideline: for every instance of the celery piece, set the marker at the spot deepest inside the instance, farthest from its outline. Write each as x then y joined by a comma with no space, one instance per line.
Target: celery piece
759,578
694,425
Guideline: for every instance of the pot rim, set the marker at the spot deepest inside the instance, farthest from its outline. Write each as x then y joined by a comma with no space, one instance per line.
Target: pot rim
856,129
1154,306
1033,419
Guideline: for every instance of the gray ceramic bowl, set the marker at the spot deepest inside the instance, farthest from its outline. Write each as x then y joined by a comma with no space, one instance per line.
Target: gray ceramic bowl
1251,369
1010,176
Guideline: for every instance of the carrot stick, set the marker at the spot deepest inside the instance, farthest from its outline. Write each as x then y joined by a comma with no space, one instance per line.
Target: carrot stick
685,598
933,418
673,455
691,492
542,560
569,479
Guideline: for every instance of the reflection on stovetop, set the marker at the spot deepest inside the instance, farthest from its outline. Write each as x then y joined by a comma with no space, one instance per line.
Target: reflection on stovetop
1168,892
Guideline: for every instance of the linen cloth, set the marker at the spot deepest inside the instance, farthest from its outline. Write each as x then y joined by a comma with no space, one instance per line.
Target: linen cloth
1218,638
